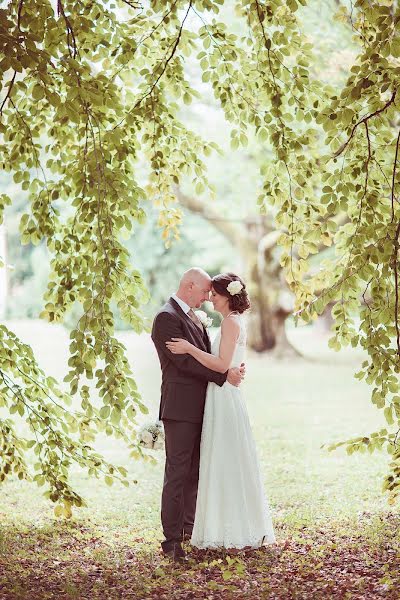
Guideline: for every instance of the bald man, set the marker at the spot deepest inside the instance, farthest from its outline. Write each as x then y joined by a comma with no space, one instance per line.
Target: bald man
183,394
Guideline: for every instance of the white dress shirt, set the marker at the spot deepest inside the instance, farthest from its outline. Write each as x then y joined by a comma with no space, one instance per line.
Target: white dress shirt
185,307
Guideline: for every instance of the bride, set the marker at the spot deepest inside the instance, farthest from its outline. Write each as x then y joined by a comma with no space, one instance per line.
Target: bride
232,510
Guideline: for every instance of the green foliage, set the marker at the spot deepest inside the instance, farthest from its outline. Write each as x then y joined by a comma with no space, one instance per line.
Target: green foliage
360,182
89,92
60,437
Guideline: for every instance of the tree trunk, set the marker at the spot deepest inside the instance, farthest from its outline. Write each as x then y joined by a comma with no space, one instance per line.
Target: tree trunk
254,243
283,348
266,324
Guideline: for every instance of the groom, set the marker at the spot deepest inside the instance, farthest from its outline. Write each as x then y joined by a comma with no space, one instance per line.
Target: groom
183,393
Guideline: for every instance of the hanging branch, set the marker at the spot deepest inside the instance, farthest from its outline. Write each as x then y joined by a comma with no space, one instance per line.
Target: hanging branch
364,120
396,252
394,174
146,37
71,40
164,68
133,4
10,87
396,288
20,5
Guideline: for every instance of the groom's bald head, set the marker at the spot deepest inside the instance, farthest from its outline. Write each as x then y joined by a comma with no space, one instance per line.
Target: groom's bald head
194,287
195,275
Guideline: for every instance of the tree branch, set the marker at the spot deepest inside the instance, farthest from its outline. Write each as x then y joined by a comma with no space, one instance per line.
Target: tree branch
164,68
394,175
70,31
233,233
364,120
133,4
10,87
396,286
20,5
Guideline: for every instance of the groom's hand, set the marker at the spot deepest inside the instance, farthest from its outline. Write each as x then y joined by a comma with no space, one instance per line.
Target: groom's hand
236,375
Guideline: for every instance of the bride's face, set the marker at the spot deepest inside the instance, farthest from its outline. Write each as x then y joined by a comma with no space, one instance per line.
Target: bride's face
219,301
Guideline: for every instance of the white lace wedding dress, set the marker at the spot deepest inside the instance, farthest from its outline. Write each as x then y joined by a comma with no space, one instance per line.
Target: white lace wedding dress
232,510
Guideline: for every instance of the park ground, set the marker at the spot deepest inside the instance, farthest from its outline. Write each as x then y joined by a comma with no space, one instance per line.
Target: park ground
336,535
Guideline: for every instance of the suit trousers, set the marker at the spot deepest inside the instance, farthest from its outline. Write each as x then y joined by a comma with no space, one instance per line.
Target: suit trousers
181,478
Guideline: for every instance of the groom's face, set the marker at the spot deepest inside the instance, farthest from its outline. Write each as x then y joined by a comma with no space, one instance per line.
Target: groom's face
200,292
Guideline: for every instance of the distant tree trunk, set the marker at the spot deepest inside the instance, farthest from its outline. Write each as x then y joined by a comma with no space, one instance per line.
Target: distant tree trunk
261,331
271,300
255,243
266,328
283,348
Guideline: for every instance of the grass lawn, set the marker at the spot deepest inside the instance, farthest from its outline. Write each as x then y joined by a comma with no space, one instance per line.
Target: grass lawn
337,537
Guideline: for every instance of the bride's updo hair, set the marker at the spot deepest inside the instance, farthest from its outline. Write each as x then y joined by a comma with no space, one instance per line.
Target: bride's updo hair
239,301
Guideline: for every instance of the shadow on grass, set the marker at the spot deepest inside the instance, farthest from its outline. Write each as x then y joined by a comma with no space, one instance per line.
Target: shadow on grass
77,560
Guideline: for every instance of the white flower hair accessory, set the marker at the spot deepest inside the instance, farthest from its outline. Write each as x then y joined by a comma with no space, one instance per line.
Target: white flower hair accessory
235,287
204,318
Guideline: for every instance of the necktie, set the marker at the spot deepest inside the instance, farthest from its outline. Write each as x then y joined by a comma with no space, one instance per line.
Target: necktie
195,319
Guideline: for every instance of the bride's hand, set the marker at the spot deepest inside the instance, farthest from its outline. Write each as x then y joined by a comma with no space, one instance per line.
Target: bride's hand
178,346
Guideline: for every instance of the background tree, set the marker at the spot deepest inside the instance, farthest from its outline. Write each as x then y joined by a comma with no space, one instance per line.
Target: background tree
254,242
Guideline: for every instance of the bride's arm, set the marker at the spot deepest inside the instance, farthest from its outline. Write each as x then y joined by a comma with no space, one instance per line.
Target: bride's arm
229,334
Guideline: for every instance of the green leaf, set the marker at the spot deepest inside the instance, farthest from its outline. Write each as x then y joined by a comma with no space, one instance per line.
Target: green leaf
105,412
115,416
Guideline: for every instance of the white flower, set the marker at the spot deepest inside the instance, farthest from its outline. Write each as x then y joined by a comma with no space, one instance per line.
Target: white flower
204,318
146,439
158,444
234,287
151,435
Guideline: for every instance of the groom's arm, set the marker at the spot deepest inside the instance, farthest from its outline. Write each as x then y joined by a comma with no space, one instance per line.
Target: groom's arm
166,327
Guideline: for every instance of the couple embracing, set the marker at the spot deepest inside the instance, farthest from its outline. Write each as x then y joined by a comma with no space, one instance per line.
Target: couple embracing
213,492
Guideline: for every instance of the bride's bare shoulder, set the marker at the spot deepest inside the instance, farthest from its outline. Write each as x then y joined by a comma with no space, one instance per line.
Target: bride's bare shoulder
230,324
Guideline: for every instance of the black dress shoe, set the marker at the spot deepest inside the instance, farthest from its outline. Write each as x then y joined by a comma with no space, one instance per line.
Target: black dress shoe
186,536
176,553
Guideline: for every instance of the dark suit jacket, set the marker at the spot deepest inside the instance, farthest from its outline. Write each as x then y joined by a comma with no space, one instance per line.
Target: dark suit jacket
184,380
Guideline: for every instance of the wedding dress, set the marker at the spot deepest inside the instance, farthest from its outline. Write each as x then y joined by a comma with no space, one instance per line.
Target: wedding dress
232,510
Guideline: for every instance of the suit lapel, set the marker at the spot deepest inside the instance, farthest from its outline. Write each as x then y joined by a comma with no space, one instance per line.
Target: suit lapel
200,335
207,340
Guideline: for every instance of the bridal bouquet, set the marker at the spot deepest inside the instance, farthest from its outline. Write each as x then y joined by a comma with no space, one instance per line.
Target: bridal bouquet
151,435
